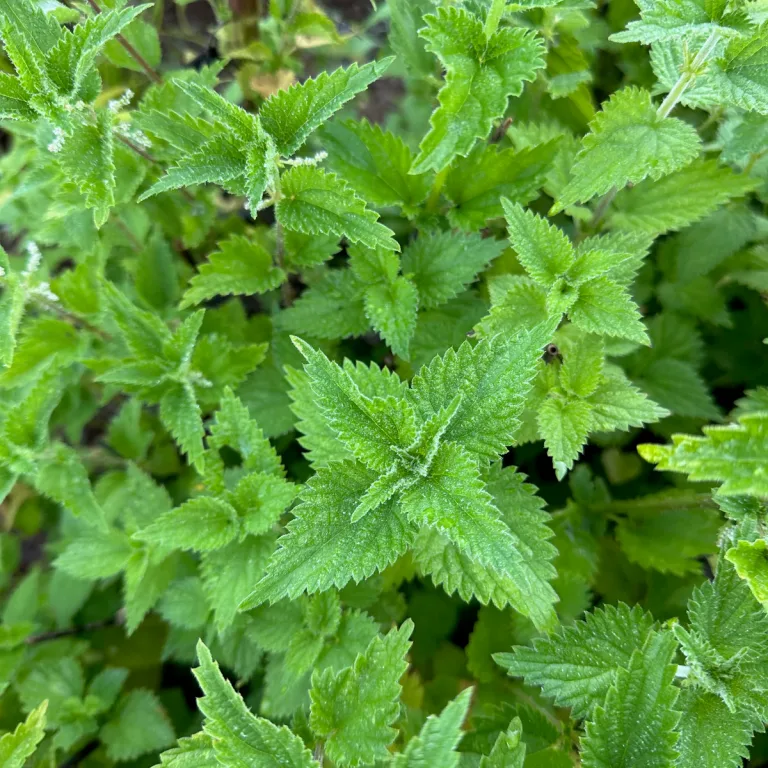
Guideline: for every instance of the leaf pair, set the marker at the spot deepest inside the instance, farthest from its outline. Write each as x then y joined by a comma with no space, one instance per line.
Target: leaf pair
413,465
588,283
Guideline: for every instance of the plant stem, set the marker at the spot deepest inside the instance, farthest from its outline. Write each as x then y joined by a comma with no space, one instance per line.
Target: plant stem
113,621
686,78
131,51
437,188
672,98
71,317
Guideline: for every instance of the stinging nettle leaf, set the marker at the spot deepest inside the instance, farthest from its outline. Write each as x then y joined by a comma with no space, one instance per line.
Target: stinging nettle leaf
290,116
628,142
315,202
481,75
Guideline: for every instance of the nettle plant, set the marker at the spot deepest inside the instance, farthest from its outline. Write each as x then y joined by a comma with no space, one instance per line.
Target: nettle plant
295,311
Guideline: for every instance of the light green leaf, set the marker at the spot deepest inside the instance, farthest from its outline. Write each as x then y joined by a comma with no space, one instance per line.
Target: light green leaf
735,455
439,736
318,203
86,158
509,749
290,116
191,752
494,377
392,309
634,728
354,709
443,264
605,307
627,143
664,20
323,548
564,424
95,554
369,427
751,561
181,416
200,524
579,663
543,249
481,75
697,190
240,738
240,267
17,746
375,163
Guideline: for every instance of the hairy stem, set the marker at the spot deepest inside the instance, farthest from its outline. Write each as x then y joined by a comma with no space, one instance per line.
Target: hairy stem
131,51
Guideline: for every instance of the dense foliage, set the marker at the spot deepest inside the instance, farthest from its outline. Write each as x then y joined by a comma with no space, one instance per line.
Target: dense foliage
338,344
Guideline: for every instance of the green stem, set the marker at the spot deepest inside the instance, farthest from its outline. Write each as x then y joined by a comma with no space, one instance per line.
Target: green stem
437,188
687,78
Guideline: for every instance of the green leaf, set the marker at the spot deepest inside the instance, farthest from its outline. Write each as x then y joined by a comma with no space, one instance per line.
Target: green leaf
290,116
439,736
670,538
184,604
443,264
368,427
86,158
240,267
407,18
452,500
95,554
13,99
564,424
332,308
192,752
735,77
605,307
239,738
230,573
711,736
139,725
62,477
322,548
525,583
543,250
481,75
477,185
617,404
664,20
751,561
735,455
181,416
697,190
635,726
508,750
494,377
375,163
354,709
627,143
579,663
72,59
677,386
222,160
200,524
318,203
392,309
17,746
